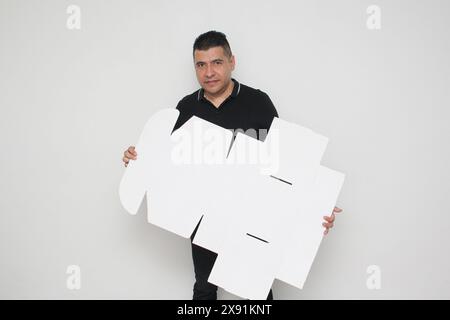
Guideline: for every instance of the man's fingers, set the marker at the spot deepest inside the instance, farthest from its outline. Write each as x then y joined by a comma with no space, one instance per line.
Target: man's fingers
130,153
132,150
330,220
130,156
328,225
337,210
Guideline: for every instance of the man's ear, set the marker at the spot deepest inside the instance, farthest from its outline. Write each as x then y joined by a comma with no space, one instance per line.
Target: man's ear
233,62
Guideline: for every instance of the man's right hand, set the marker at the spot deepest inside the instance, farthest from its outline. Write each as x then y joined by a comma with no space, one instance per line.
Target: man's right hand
129,154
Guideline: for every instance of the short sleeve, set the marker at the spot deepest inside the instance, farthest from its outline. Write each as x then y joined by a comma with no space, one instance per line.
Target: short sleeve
269,106
184,115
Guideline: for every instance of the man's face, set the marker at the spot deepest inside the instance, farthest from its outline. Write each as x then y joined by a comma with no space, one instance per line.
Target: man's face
213,69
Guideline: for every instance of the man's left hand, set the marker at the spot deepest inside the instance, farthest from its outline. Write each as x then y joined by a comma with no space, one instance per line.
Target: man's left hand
329,220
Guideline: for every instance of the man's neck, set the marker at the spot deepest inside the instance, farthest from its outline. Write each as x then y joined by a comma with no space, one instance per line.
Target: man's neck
220,97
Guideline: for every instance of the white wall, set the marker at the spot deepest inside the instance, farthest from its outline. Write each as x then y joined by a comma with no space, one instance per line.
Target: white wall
72,100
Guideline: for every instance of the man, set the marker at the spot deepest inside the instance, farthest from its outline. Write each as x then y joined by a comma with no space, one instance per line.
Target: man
223,101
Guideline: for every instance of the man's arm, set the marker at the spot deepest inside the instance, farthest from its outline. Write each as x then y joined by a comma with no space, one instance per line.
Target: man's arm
266,112
271,110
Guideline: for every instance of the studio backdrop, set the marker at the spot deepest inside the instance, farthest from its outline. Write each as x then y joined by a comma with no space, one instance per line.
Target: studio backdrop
79,79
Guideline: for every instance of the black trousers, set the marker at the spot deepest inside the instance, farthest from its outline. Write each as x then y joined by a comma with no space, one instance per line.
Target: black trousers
203,263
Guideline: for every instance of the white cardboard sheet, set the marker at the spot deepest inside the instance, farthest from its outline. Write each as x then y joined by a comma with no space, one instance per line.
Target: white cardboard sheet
260,203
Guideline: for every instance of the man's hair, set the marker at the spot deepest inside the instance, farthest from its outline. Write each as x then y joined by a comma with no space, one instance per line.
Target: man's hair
212,39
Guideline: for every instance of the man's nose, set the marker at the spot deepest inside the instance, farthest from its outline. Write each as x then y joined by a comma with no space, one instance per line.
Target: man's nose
209,71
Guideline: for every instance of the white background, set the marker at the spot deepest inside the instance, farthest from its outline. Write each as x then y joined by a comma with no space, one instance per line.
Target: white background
71,101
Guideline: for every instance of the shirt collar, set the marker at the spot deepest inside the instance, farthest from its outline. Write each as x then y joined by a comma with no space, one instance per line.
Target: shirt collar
234,93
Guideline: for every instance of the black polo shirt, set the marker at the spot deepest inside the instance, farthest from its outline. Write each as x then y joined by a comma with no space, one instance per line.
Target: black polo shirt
246,108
